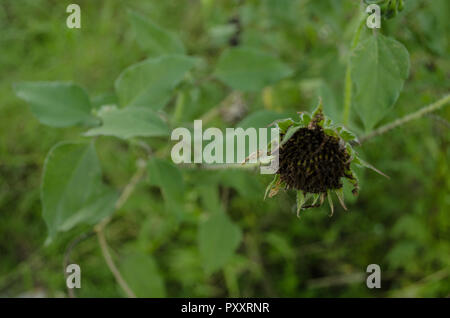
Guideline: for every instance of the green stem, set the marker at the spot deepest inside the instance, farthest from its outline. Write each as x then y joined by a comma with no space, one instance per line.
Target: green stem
401,121
348,73
231,281
100,227
347,95
112,266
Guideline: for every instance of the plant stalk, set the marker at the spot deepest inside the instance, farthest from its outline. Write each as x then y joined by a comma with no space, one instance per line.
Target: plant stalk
99,229
112,266
401,121
348,74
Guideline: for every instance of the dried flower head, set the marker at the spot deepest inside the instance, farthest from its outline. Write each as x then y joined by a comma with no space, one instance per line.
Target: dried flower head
314,156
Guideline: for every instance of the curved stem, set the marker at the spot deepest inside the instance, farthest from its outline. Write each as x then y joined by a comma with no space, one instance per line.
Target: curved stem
99,229
113,268
127,191
401,121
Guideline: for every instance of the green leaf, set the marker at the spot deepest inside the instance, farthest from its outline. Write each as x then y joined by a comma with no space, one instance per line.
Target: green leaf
218,238
379,67
249,69
330,132
345,134
72,191
150,83
57,104
129,122
260,119
290,132
104,99
285,124
169,179
210,196
153,38
271,185
305,119
141,273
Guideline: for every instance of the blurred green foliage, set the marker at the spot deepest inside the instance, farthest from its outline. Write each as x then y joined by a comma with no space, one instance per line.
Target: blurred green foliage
402,224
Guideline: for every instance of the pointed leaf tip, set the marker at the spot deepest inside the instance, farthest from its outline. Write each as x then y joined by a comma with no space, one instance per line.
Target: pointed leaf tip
300,201
319,108
330,202
340,195
368,165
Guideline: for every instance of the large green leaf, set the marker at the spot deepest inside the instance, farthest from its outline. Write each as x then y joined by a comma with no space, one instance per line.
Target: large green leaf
248,69
154,39
379,67
150,83
168,178
129,122
72,191
218,238
57,104
141,273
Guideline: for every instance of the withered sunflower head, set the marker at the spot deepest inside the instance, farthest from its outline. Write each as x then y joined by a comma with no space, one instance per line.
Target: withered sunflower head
315,155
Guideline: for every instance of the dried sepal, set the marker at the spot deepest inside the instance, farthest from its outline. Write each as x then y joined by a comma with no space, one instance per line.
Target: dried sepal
330,202
300,201
368,165
275,180
276,187
340,196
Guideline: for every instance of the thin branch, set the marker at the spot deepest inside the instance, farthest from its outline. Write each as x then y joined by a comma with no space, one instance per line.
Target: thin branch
127,191
112,266
401,121
99,229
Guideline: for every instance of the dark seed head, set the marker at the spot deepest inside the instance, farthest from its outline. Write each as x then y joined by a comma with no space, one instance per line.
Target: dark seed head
313,161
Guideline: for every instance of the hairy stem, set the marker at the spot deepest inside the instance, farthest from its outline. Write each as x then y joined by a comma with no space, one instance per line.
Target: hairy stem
348,74
127,191
112,266
99,229
401,121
